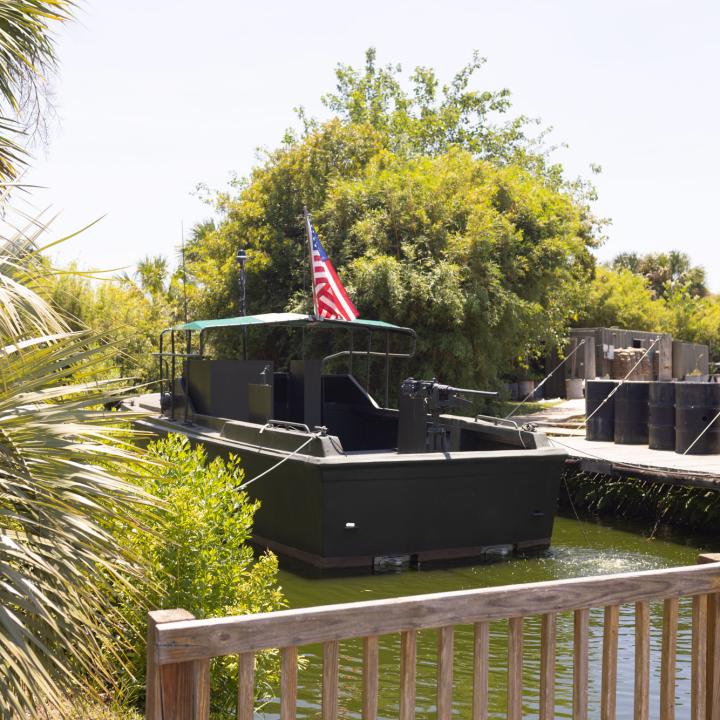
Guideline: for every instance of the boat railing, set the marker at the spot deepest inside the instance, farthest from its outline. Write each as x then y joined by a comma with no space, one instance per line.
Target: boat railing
372,353
180,647
287,425
369,353
497,421
166,361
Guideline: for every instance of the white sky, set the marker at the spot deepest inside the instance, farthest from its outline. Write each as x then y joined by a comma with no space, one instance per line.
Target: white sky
156,96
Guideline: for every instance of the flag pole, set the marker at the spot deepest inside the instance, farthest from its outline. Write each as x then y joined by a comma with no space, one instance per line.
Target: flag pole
308,228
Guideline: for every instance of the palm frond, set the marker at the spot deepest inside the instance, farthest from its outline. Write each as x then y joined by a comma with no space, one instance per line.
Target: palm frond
66,478
27,53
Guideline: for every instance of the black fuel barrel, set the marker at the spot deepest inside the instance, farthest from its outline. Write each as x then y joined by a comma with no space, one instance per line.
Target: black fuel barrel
601,426
631,413
661,416
696,404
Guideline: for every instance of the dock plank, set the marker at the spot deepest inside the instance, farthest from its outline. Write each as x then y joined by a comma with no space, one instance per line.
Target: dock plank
639,461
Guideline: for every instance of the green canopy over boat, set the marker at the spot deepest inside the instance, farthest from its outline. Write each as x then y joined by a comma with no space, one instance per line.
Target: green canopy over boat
291,319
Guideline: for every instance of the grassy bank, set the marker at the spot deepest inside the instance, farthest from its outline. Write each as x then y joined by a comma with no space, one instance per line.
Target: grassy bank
696,509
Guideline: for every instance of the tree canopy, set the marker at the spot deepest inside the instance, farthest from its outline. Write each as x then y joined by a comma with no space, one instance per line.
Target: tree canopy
436,215
432,117
622,298
665,272
660,292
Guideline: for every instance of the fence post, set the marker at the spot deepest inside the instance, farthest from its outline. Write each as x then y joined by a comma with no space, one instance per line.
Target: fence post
712,682
179,691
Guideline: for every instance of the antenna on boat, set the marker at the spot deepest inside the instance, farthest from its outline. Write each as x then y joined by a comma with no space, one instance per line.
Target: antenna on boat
241,260
182,251
309,229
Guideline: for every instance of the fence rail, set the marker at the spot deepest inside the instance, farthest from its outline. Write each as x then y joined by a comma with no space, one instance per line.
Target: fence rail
180,648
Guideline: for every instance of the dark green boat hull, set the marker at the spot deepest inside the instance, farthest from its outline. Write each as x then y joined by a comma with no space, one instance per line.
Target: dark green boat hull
335,509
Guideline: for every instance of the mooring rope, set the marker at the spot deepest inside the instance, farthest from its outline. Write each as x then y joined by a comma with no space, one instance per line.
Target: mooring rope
575,512
554,441
312,437
534,390
620,384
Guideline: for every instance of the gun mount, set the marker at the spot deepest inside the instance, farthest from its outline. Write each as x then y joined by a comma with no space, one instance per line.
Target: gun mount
420,398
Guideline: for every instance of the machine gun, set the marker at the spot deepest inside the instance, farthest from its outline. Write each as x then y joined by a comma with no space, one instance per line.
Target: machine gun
418,398
440,398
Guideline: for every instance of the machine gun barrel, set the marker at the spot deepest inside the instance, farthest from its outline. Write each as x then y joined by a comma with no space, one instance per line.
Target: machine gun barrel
467,391
434,387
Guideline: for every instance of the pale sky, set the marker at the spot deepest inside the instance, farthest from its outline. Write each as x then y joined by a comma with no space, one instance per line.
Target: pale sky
157,96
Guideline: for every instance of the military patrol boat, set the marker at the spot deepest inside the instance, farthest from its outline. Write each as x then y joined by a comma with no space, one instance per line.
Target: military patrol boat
343,480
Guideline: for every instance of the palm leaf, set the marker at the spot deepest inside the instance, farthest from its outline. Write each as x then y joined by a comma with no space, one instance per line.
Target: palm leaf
66,478
26,55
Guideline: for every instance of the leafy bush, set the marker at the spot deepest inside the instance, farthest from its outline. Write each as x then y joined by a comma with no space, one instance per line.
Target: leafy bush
199,558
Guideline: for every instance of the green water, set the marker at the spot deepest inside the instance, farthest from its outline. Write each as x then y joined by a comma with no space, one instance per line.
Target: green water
579,549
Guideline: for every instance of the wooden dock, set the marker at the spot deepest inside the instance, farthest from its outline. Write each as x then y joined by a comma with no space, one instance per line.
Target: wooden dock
639,461
563,423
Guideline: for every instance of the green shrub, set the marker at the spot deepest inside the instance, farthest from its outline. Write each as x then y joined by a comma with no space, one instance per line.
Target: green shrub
199,558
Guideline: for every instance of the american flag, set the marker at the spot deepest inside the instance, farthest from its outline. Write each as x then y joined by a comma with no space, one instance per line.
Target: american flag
330,298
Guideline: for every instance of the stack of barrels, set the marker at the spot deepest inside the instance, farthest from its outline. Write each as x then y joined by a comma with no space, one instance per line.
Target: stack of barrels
663,415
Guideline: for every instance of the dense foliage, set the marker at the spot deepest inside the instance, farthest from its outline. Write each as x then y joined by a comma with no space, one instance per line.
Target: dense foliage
659,292
664,272
621,298
198,557
436,216
131,310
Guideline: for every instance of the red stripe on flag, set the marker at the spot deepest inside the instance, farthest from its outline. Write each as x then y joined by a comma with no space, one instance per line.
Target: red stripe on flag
331,298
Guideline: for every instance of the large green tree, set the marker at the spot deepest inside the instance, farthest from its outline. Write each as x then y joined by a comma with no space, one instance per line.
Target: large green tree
438,212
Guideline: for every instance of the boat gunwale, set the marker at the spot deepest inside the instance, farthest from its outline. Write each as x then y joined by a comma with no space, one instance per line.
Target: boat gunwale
356,458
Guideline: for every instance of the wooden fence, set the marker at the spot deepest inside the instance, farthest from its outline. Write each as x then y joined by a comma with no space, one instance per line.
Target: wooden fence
180,648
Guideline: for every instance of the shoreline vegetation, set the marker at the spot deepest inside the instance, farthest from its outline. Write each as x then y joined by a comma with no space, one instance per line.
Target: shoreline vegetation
638,499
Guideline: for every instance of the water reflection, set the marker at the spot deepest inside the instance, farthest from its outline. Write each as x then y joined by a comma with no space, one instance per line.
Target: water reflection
579,549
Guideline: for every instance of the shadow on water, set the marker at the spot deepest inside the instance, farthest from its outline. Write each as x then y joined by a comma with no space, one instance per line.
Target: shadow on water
580,548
